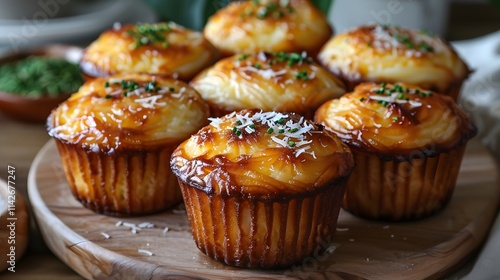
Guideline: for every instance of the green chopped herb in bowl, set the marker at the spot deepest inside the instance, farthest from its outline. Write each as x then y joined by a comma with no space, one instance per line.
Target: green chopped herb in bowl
38,76
33,82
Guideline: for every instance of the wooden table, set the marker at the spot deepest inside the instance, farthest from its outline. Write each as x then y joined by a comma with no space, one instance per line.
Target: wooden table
20,142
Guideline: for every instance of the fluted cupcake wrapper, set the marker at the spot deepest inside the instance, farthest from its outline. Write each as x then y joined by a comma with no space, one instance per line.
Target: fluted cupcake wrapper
123,183
402,190
263,233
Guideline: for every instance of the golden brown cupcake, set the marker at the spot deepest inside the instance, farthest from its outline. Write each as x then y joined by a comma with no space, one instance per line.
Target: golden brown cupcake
277,81
262,189
115,137
383,53
408,144
268,25
159,48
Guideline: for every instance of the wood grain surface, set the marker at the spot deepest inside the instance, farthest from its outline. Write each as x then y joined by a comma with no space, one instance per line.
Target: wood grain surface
361,249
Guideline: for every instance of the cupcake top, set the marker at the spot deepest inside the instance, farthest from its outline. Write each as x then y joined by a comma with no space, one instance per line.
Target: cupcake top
396,120
277,81
387,53
133,111
159,48
257,154
268,25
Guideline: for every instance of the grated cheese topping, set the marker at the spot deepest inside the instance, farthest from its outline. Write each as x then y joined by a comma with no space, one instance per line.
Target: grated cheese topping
398,94
148,93
414,43
280,128
146,252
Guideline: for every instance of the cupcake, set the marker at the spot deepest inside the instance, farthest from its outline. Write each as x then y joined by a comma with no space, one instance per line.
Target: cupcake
159,48
115,137
384,53
408,145
262,189
268,25
276,81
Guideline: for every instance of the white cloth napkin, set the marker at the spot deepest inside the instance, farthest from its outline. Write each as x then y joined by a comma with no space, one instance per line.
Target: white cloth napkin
480,98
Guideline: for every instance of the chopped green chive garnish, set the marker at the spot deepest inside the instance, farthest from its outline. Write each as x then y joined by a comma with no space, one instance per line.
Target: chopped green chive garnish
147,34
150,86
398,88
362,99
106,84
291,143
290,59
395,118
280,121
171,89
243,57
272,9
302,75
238,122
425,47
256,65
270,130
293,130
281,131
108,96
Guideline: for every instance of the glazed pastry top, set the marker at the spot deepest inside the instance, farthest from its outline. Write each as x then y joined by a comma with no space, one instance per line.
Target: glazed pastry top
261,154
396,120
159,48
133,111
393,54
276,81
268,25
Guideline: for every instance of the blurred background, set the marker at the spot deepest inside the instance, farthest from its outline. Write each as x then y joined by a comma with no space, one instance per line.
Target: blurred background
25,23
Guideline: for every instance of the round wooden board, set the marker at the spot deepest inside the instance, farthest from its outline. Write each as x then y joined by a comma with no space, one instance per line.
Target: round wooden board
361,249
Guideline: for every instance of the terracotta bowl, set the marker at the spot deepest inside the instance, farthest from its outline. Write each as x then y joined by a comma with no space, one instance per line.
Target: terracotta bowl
35,109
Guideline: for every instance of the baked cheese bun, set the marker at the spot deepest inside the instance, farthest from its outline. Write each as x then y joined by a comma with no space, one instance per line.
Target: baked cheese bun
115,136
248,175
276,81
159,48
383,53
268,25
408,144
394,120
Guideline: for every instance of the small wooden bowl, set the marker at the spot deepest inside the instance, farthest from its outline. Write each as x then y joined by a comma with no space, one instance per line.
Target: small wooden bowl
35,109
14,229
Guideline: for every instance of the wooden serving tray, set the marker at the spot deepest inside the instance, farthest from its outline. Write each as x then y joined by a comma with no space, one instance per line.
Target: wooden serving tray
361,249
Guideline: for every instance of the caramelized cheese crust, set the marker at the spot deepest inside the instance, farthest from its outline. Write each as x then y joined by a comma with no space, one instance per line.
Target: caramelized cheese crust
268,25
259,163
103,116
393,54
286,82
171,49
397,121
